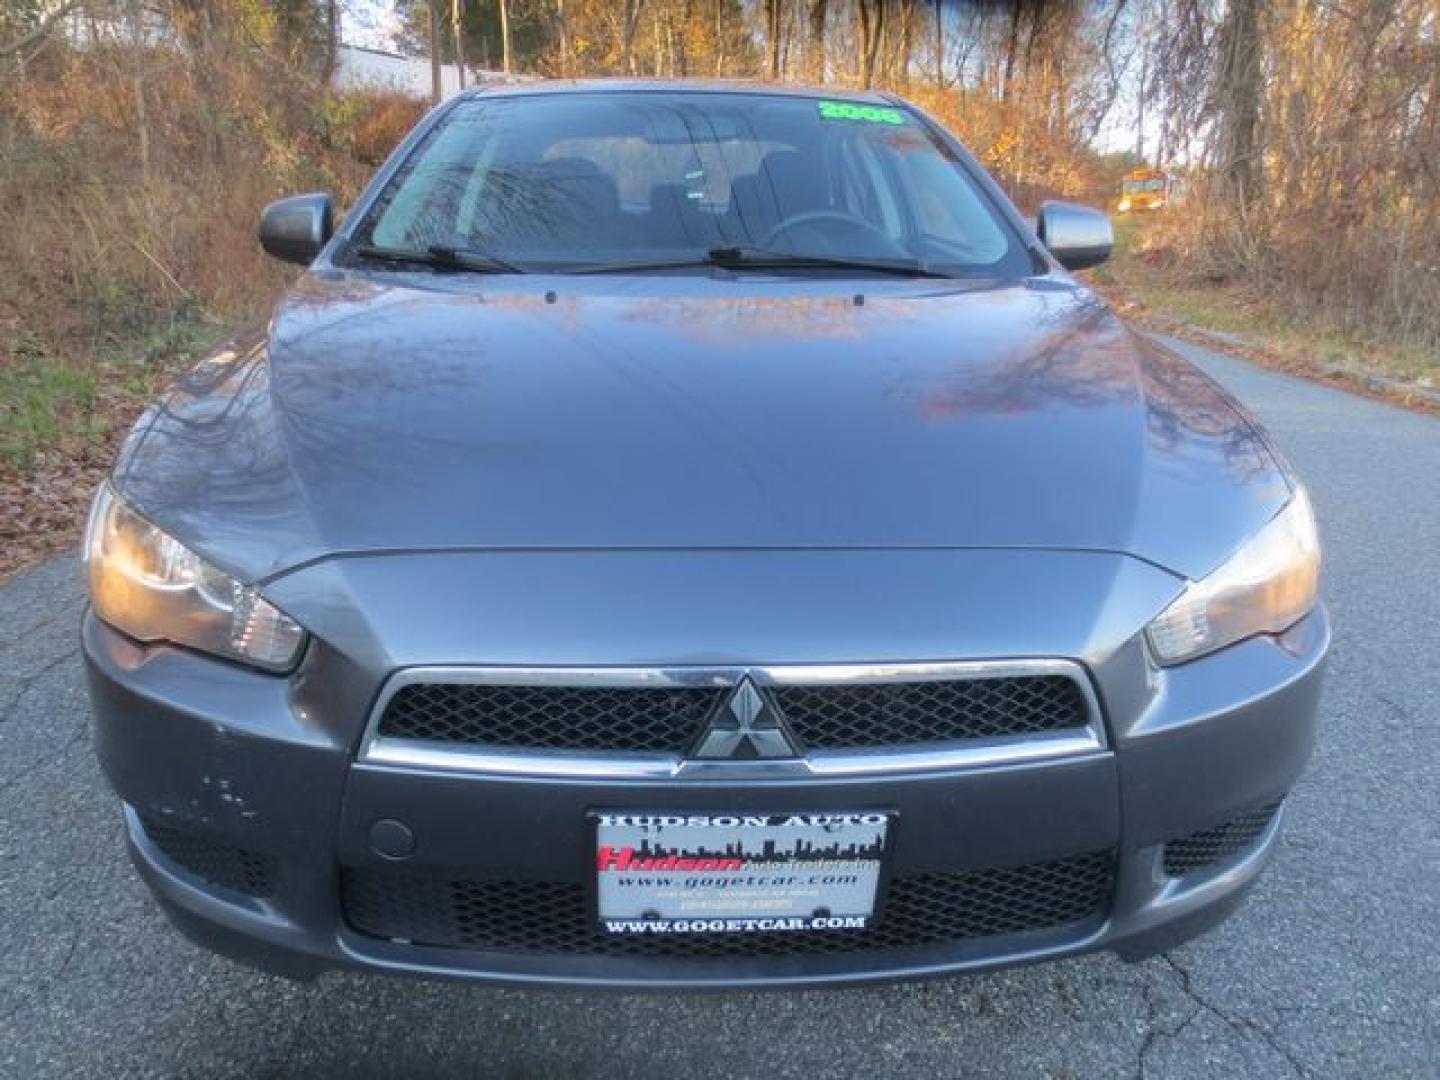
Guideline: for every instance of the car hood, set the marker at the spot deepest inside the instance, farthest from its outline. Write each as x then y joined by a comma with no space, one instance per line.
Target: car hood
378,415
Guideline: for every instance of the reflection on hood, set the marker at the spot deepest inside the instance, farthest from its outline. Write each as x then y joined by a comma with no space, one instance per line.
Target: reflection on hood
697,412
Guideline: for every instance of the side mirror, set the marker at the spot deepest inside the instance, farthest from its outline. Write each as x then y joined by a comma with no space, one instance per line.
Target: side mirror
295,229
1076,235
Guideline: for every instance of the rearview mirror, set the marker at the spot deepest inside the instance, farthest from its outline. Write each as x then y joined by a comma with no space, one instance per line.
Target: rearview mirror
295,229
1076,235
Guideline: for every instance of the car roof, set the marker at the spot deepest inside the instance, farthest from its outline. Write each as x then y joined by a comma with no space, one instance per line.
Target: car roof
686,86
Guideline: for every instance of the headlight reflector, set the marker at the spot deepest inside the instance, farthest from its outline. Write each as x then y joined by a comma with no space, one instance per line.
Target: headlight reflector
1264,588
147,584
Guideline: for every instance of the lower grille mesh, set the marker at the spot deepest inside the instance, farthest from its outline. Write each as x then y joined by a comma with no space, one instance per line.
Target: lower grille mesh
554,917
1210,846
233,868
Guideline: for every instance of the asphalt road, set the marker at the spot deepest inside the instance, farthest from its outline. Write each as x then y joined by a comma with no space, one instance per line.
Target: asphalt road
1331,969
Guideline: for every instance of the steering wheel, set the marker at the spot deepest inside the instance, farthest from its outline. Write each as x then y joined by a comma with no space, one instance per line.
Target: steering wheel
834,217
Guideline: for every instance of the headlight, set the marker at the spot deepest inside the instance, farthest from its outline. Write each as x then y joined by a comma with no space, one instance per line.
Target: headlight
1264,588
150,586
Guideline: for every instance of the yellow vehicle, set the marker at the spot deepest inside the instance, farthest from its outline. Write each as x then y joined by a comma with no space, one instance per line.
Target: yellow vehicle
1144,189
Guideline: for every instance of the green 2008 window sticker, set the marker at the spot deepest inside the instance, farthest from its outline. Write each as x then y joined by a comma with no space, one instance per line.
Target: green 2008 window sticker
873,114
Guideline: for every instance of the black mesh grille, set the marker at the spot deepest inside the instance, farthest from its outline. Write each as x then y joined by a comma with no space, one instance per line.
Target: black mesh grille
667,720
897,714
1209,846
550,717
230,867
554,917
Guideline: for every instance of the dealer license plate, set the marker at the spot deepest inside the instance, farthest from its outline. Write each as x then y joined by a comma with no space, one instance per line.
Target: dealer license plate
662,873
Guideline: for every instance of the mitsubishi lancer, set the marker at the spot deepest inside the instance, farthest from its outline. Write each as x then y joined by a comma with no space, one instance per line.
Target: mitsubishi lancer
685,535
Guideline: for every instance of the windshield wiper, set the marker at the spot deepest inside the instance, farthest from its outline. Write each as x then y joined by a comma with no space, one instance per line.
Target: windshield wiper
749,258
759,258
444,257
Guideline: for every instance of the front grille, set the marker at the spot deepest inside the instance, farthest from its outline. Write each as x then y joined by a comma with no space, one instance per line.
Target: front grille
1210,846
214,862
555,918
551,717
902,714
669,719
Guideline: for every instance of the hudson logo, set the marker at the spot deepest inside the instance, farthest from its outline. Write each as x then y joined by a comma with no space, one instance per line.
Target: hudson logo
747,727
608,858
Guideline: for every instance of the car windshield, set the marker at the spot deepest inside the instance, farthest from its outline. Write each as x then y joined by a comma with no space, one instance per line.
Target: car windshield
578,181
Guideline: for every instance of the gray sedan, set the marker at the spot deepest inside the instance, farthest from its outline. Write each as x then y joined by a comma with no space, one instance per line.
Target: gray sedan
684,536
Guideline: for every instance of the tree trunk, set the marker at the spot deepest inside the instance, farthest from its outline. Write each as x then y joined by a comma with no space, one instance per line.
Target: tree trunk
1238,100
682,54
772,32
720,57
872,29
670,58
457,31
629,22
507,59
332,43
939,45
1140,95
562,34
435,89
1012,47
142,121
907,40
815,49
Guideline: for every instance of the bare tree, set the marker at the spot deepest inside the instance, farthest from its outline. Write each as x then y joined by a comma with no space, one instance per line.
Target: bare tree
507,45
773,23
629,23
1012,48
872,31
37,33
1237,99
815,47
907,41
458,33
435,87
142,123
562,35
939,45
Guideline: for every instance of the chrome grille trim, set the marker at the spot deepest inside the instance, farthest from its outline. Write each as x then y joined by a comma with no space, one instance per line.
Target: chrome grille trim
1070,743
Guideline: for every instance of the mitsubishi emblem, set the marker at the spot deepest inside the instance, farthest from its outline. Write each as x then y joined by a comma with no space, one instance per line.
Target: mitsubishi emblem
746,727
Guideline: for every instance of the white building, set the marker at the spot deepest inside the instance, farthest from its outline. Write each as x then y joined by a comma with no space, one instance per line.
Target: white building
358,68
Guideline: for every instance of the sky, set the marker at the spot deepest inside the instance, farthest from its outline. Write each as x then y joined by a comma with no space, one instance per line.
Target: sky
371,24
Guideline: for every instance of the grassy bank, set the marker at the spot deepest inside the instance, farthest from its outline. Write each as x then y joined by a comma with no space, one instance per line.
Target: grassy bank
51,403
62,414
1147,283
132,182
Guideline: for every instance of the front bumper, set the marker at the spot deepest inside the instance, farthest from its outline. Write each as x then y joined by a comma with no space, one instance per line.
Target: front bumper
251,764
258,812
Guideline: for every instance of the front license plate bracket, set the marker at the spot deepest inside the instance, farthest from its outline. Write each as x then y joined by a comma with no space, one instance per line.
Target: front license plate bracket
669,873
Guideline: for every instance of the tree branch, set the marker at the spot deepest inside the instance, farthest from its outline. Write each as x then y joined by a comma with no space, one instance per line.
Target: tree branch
24,41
